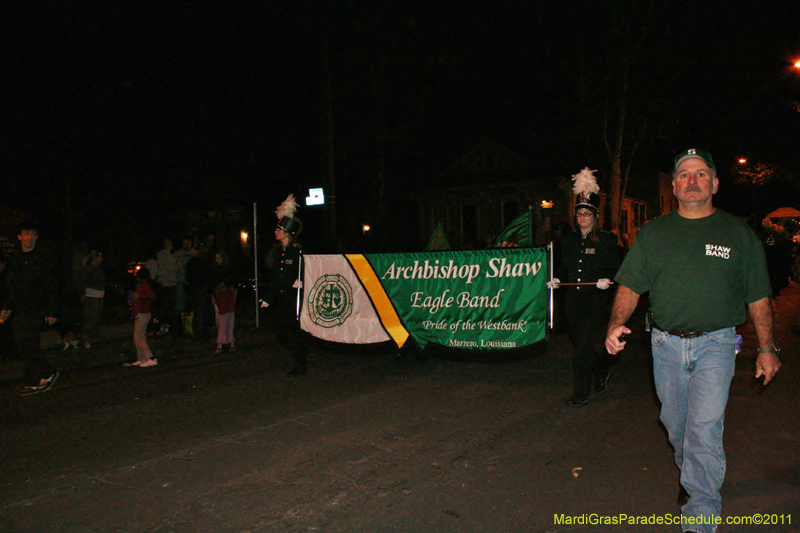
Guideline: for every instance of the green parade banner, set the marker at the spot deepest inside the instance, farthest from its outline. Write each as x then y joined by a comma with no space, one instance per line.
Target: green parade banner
480,300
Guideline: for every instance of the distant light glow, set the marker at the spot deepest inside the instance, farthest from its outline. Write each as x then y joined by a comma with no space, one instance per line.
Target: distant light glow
244,237
547,204
742,160
365,228
315,197
133,268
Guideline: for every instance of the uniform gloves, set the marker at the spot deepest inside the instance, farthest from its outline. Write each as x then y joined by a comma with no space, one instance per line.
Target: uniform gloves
296,285
554,284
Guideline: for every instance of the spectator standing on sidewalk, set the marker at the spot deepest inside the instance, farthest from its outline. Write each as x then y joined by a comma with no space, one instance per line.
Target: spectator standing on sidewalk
221,268
182,257
167,280
6,347
703,269
92,286
143,299
151,264
199,279
31,301
587,255
225,302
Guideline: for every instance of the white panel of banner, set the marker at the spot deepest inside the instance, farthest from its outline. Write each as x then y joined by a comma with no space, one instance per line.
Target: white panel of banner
336,306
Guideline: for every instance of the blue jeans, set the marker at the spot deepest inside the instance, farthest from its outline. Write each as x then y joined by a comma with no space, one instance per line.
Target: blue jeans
693,377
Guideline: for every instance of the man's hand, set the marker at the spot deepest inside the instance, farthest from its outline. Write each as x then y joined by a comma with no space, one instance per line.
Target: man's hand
767,365
613,343
554,284
624,306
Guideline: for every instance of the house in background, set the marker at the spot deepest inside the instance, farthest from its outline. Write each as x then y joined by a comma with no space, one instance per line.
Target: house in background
488,187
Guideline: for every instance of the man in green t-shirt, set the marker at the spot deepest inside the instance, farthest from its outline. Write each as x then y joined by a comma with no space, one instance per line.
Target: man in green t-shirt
703,268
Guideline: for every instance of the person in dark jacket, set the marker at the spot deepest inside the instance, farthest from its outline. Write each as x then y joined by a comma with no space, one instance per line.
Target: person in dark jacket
587,260
31,301
200,278
6,347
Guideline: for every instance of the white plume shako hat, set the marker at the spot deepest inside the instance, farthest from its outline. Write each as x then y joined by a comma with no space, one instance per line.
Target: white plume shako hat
586,188
286,219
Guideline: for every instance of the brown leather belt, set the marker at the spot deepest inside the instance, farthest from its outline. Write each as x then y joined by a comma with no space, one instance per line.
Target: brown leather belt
682,333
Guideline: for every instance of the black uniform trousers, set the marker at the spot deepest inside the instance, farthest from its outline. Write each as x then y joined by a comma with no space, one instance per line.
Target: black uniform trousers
587,310
287,329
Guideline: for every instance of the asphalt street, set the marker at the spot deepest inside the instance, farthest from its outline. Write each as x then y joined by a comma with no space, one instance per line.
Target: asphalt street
364,443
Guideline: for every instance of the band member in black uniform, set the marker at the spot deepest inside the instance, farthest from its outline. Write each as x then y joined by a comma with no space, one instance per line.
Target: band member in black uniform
589,257
284,263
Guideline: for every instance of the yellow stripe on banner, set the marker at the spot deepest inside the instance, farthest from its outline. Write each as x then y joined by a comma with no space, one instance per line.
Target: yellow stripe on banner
379,298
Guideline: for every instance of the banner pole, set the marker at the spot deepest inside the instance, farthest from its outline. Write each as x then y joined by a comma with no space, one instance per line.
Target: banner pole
299,275
530,224
551,289
592,283
255,257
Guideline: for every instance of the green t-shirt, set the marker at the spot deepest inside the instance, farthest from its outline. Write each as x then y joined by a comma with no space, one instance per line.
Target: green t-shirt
700,272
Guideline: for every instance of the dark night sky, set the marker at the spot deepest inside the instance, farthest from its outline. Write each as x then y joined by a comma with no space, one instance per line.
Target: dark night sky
140,108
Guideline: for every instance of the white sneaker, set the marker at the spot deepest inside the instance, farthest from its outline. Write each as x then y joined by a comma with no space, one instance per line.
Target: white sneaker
47,383
148,363
44,385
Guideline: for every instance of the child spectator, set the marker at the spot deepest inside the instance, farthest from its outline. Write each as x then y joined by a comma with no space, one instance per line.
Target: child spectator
225,302
143,299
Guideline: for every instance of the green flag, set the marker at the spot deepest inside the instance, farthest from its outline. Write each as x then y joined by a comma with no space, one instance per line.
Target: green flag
438,240
517,233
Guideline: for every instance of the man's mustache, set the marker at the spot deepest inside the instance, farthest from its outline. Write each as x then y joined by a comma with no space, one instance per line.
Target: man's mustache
692,188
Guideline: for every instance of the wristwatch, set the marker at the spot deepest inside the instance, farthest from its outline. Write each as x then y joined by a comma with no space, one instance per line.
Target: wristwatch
775,349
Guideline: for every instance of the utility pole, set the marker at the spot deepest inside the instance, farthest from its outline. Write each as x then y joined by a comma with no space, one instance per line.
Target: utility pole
327,110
